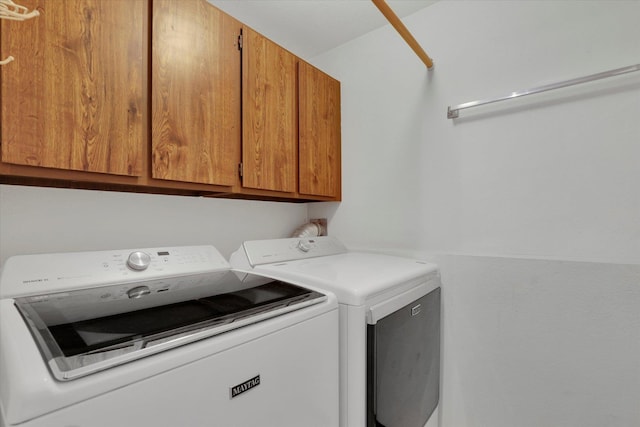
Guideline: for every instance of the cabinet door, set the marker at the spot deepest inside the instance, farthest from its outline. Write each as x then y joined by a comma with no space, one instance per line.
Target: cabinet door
269,106
72,99
195,93
319,142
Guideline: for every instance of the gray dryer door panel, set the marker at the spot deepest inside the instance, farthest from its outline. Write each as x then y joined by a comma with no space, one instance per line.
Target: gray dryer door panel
403,365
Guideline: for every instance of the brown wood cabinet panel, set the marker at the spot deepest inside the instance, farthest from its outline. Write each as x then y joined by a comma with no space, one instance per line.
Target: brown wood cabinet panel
73,97
319,140
270,137
156,96
196,93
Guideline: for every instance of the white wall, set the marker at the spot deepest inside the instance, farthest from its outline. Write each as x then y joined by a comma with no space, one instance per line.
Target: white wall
541,320
534,343
551,175
41,220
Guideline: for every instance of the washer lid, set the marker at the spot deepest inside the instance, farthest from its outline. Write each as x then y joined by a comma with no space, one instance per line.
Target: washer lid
85,331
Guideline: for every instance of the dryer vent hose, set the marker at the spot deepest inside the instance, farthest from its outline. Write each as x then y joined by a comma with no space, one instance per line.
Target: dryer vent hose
310,229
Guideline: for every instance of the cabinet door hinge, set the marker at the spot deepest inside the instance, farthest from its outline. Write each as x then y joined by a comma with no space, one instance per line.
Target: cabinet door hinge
240,42
240,170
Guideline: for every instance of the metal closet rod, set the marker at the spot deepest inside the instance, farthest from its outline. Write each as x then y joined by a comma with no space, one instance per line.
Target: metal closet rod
452,112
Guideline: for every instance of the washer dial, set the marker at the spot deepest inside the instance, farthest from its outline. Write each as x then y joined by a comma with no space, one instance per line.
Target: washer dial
138,260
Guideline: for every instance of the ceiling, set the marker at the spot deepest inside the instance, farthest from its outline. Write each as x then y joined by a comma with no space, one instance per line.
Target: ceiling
310,27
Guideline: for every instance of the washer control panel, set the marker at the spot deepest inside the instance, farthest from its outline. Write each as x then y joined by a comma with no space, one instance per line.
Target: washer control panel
138,260
260,252
43,273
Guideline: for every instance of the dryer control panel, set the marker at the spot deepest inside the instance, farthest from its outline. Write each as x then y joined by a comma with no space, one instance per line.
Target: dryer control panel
260,252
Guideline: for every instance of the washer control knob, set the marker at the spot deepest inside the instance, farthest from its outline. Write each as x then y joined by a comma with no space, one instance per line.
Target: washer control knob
138,292
304,245
138,260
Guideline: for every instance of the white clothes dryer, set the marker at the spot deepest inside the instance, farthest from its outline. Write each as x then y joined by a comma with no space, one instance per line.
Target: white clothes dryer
162,337
389,324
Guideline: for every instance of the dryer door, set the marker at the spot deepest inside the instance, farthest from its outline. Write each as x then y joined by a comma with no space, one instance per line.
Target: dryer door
403,364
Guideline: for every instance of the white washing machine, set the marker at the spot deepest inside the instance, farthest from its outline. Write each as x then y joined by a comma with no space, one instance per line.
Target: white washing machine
162,337
389,324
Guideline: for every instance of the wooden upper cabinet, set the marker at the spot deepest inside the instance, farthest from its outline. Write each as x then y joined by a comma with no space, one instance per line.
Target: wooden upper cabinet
270,112
163,95
73,97
195,65
319,120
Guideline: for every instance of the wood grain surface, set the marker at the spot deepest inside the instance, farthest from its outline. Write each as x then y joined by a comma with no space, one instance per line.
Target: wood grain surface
319,138
196,93
270,137
73,99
